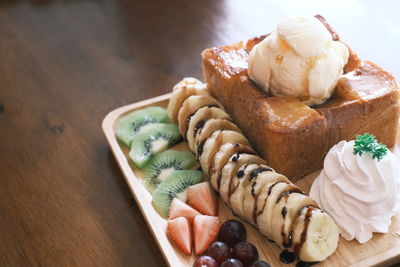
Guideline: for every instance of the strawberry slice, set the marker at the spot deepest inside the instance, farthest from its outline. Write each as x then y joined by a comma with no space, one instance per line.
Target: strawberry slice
178,230
181,209
202,197
205,230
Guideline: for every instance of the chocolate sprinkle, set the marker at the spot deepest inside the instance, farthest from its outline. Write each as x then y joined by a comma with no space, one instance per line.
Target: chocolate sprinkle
240,174
287,257
236,157
283,212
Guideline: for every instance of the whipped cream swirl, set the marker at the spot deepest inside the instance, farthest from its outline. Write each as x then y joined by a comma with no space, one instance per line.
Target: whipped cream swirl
359,192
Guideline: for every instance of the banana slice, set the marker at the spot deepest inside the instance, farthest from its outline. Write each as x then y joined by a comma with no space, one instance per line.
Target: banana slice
211,126
238,185
213,144
315,235
264,175
181,91
189,82
266,201
284,212
190,106
221,158
198,120
230,169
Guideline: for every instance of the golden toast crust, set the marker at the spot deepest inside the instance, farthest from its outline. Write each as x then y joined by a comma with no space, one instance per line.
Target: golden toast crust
294,138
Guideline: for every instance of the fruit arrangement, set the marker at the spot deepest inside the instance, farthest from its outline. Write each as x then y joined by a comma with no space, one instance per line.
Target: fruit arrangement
253,190
196,223
231,249
168,177
167,173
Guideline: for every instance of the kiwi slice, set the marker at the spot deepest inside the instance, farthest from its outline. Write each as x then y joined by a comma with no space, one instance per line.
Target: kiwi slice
154,139
174,185
163,164
137,121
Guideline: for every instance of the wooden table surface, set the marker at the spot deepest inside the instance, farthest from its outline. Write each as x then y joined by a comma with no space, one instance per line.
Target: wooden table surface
65,64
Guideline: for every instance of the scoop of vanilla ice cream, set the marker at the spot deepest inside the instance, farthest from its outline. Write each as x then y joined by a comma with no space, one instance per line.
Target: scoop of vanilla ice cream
359,192
299,59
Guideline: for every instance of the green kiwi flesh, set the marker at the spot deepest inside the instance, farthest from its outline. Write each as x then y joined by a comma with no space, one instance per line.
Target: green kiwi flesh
137,121
163,164
175,185
157,138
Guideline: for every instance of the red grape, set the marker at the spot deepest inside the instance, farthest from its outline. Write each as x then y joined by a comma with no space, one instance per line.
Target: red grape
232,232
205,261
219,251
245,252
231,263
259,264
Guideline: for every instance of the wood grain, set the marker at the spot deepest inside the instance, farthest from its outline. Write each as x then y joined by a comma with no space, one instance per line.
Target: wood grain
381,250
66,64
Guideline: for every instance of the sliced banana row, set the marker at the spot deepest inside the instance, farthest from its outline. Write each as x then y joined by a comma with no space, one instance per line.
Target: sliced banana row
253,190
182,90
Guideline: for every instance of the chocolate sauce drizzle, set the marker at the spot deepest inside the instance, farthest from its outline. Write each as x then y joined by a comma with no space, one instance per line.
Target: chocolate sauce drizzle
239,174
258,213
271,241
307,217
213,106
218,142
286,239
253,187
199,126
303,238
212,169
272,186
238,149
292,227
236,156
283,213
191,115
288,192
200,148
254,173
286,256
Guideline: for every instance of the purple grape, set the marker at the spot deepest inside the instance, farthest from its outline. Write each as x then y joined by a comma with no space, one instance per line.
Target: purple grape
205,261
259,264
219,251
232,232
245,252
231,263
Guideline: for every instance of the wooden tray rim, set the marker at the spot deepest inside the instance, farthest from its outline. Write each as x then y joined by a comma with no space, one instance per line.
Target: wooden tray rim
131,179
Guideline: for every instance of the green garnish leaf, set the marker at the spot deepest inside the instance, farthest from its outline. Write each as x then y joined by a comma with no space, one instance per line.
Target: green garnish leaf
367,143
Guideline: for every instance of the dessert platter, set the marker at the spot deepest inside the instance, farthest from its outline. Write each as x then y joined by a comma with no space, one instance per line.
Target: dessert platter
227,172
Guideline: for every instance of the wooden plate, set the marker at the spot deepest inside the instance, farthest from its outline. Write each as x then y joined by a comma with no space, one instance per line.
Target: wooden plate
381,250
